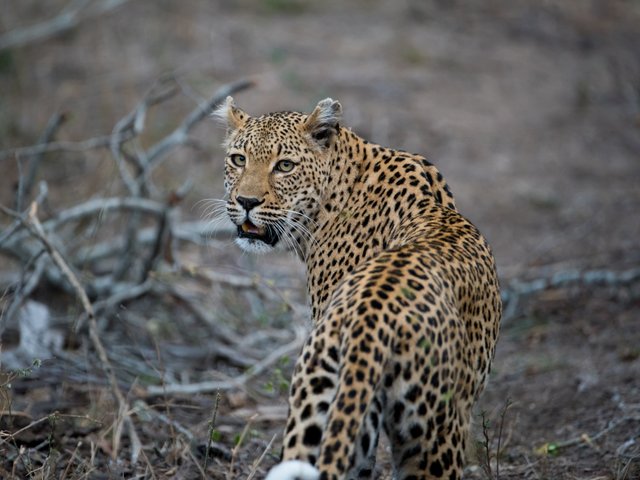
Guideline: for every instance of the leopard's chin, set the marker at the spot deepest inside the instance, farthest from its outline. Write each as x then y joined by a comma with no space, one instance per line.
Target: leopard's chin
254,246
256,239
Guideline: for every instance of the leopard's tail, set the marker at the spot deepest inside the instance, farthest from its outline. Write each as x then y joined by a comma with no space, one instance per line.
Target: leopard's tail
293,470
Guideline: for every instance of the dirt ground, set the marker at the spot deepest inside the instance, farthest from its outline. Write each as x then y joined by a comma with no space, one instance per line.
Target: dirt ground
531,109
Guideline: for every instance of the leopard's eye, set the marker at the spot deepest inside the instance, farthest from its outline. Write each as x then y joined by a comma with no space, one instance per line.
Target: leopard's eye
238,160
284,166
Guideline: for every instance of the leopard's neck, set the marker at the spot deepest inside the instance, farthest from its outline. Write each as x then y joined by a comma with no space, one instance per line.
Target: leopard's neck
347,160
370,205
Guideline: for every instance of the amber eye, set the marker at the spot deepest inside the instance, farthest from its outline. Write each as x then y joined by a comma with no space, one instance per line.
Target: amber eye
284,166
238,160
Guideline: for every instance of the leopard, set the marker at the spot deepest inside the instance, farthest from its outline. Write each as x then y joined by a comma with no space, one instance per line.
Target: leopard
403,291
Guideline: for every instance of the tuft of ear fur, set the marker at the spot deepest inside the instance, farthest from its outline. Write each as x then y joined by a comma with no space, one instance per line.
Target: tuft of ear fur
324,122
230,115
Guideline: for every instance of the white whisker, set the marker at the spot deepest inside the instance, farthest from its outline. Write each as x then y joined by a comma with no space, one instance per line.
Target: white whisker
306,217
215,211
298,226
295,229
289,240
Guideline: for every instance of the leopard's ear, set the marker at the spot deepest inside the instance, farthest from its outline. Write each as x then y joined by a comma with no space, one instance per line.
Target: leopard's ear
323,123
230,115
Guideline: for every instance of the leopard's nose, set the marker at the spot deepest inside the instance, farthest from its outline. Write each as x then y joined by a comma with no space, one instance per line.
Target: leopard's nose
249,202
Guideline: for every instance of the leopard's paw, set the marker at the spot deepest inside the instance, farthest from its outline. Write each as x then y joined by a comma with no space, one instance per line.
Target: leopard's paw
293,470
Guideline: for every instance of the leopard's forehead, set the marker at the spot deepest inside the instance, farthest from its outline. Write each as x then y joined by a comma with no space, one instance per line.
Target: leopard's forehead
279,132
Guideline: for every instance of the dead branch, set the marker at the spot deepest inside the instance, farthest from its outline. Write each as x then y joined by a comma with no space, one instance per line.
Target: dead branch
64,146
150,159
129,127
236,448
585,439
156,154
256,464
46,250
70,17
19,219
122,294
518,289
212,424
239,382
266,288
35,227
24,290
24,187
142,406
219,330
133,123
213,348
34,423
102,206
123,250
18,246
95,207
101,286
198,233
162,242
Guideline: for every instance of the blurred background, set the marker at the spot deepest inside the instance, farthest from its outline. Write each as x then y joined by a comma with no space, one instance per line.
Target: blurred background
531,110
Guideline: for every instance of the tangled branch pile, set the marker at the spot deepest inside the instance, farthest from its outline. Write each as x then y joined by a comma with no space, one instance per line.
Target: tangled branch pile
78,313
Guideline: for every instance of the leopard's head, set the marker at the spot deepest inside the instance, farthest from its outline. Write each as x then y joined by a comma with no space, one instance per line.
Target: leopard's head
277,168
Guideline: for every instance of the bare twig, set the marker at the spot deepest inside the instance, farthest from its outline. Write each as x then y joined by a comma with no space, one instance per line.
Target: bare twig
123,294
564,278
97,206
150,159
19,220
98,290
220,330
507,404
104,206
585,439
133,123
239,382
24,187
75,12
136,444
140,406
11,436
236,448
121,135
210,430
164,231
516,289
486,446
179,136
71,460
257,463
35,227
64,146
20,248
198,233
24,290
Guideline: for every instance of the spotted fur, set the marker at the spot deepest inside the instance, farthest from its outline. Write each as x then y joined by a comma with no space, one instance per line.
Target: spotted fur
404,294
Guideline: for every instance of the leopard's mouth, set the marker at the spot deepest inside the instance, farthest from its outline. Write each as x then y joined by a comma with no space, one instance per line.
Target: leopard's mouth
266,234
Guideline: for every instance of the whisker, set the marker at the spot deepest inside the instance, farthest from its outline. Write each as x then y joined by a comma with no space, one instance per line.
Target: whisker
208,202
287,237
301,228
306,217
